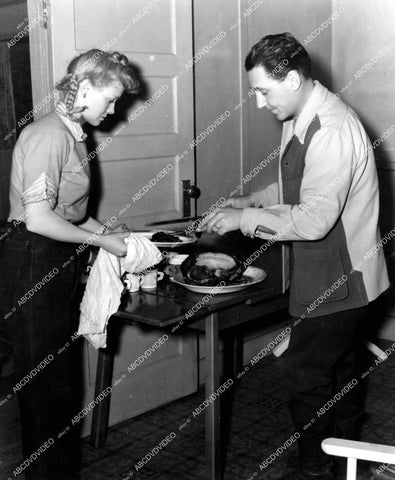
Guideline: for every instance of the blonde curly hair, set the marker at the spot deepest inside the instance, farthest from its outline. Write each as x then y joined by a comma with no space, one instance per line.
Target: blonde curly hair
101,69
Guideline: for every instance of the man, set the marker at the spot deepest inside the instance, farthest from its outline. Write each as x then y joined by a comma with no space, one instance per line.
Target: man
326,204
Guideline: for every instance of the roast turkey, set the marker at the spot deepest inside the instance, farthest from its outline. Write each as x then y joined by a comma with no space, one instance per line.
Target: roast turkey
211,268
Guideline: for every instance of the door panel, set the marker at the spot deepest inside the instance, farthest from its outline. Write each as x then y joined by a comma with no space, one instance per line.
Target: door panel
131,22
116,178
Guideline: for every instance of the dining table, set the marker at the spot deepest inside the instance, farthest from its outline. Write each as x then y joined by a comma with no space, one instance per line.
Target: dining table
174,308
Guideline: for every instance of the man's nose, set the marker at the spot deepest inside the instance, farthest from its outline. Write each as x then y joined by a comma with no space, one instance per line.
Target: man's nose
260,100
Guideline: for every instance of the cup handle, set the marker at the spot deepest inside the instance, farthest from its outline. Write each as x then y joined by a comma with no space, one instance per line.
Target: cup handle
160,276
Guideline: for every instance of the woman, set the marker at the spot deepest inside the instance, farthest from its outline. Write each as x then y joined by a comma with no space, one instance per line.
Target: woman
40,265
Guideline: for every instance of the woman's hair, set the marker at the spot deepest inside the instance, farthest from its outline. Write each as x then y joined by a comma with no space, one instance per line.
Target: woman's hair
279,54
101,69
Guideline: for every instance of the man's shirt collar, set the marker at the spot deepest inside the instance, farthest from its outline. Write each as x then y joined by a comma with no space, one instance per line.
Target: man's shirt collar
309,110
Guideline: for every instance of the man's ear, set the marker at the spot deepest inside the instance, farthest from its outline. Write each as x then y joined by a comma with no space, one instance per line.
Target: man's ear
294,80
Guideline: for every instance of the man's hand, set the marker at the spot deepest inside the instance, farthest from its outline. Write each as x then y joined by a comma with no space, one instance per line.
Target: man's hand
221,221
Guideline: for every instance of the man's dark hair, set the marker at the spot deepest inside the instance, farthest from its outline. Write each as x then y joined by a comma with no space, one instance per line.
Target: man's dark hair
279,54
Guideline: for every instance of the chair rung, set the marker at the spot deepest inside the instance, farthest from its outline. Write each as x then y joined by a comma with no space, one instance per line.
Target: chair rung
373,452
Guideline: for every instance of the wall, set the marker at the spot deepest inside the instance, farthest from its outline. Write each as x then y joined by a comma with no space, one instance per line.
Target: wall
371,93
363,73
12,15
217,90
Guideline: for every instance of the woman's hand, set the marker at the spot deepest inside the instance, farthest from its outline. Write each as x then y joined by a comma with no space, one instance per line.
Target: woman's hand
243,201
121,227
113,242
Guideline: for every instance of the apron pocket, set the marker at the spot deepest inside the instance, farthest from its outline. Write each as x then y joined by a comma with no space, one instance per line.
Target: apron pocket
319,276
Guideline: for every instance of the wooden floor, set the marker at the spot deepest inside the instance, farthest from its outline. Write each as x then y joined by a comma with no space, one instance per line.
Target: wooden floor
256,419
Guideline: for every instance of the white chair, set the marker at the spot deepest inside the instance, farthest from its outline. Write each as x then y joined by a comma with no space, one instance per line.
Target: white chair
354,451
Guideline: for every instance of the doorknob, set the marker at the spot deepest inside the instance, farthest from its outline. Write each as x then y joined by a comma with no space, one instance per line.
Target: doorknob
193,191
189,191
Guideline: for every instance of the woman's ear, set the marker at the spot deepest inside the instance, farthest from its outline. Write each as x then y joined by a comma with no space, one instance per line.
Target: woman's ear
84,86
294,80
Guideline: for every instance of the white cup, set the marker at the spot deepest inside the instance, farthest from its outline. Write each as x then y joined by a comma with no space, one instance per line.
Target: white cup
151,279
132,282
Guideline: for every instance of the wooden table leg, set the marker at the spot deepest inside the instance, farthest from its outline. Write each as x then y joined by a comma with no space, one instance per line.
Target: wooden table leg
233,353
238,350
104,370
213,415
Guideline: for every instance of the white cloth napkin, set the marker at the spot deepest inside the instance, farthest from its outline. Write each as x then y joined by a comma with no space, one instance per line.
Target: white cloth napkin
141,254
104,286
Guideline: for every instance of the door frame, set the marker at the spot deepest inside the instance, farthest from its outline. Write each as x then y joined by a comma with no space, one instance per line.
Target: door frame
40,58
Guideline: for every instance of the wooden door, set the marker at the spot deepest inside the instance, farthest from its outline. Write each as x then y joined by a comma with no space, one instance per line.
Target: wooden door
156,36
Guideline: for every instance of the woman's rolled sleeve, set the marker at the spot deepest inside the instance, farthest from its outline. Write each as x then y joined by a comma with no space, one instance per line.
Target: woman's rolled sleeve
44,188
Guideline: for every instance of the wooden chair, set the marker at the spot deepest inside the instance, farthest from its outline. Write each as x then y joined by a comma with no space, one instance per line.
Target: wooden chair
354,451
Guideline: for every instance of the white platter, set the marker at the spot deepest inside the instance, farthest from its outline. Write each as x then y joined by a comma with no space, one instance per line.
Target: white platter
184,240
255,275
